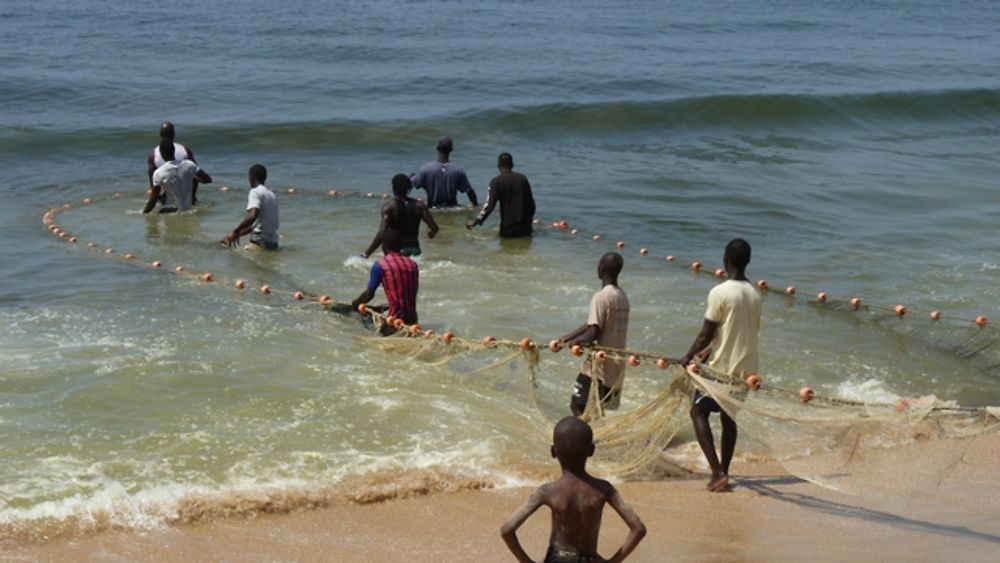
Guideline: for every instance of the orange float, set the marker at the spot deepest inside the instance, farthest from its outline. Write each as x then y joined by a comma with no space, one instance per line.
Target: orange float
156,264
332,193
902,405
265,289
555,345
224,189
91,245
447,337
362,308
935,315
179,269
596,237
109,251
577,350
128,256
822,296
575,232
298,295
207,277
806,394
981,321
87,201
696,266
291,190
620,244
428,333
240,284
762,284
526,343
856,303
415,329
600,356
633,361
754,382
643,251
671,258
900,310
790,290
662,363
489,341
719,272
324,299
73,239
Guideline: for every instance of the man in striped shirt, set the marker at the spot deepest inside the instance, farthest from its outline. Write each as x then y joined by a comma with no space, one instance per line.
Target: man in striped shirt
399,277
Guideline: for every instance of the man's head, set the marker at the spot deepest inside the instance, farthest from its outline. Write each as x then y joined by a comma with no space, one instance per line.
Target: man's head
445,145
401,185
391,241
257,175
609,266
572,442
167,130
167,150
737,254
505,161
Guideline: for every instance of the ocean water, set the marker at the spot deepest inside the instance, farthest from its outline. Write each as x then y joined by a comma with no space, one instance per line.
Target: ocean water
854,145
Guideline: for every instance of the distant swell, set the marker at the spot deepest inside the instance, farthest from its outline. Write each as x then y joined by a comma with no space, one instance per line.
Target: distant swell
746,111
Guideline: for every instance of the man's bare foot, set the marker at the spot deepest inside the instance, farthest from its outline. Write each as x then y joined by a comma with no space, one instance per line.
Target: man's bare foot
718,484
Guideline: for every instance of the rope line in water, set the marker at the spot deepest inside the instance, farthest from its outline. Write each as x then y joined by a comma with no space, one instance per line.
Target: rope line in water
634,358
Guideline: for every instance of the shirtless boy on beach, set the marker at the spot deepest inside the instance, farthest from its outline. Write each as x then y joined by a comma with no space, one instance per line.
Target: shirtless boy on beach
577,503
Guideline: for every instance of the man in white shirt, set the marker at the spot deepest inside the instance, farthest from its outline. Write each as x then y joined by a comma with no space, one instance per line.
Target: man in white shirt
606,326
181,152
732,321
174,180
261,220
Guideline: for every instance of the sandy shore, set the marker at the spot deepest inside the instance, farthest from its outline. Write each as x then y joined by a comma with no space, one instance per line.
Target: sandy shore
768,516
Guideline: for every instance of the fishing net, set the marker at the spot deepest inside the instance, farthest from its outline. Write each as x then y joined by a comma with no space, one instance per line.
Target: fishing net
846,445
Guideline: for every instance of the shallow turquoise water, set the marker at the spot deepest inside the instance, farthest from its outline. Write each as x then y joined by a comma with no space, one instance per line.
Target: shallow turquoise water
854,146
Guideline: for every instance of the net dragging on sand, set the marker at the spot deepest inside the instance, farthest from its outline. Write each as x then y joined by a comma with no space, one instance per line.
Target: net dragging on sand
850,446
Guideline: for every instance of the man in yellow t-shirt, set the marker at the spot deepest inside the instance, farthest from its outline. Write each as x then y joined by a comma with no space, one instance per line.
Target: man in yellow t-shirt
732,321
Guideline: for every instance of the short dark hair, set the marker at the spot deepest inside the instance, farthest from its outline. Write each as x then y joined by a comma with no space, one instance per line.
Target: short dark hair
391,240
167,130
573,439
737,253
612,263
445,145
167,149
401,185
258,172
505,160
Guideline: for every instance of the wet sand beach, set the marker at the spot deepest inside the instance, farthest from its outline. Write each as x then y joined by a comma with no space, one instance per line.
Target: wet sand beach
767,516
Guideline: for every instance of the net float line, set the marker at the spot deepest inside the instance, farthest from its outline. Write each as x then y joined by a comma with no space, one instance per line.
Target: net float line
791,291
600,354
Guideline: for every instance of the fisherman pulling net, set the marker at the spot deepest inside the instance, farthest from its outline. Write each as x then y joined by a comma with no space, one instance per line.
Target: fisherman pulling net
836,443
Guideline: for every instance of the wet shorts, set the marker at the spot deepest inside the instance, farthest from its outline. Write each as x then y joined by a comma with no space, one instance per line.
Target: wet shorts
410,251
610,398
261,243
706,402
554,555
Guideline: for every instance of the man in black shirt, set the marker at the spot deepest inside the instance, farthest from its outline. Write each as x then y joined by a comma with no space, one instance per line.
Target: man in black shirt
517,205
